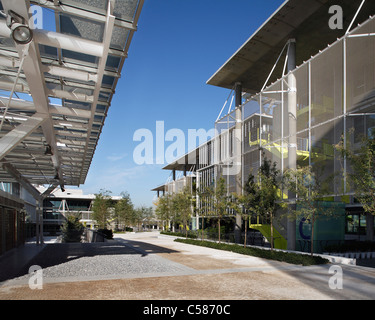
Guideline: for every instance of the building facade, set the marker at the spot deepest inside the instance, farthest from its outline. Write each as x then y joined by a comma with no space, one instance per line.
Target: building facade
59,205
17,208
293,110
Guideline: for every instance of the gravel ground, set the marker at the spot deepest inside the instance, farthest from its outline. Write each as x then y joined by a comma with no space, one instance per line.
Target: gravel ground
145,267
95,261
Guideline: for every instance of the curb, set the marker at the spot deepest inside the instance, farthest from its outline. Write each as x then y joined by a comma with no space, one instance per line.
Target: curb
331,258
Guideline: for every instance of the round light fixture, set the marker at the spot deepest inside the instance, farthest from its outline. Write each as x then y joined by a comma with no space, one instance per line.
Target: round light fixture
21,33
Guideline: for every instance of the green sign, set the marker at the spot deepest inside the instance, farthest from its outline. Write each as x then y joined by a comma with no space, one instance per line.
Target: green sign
329,227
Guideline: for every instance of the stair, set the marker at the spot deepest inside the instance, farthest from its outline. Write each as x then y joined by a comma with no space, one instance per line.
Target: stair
279,241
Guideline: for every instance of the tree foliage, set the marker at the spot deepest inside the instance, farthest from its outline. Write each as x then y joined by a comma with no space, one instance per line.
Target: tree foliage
124,210
100,207
216,202
143,216
246,204
72,229
182,204
362,175
308,185
163,209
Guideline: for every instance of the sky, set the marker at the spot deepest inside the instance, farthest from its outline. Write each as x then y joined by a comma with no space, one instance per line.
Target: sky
179,45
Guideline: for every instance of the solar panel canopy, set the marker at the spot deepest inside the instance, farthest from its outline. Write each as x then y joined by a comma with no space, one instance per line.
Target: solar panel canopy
55,91
305,21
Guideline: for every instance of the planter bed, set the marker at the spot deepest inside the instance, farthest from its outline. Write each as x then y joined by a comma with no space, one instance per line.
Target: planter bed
278,255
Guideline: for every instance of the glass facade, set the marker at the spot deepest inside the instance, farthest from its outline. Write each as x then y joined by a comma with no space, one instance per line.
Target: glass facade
55,210
332,93
298,119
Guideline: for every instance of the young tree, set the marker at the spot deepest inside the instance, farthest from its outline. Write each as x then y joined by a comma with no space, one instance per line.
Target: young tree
362,177
138,217
261,195
218,201
309,187
72,229
269,194
203,205
247,204
147,214
163,209
124,210
100,208
183,205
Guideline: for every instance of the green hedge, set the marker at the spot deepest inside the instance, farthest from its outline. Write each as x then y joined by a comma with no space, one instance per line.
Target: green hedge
179,234
289,257
72,230
352,246
108,233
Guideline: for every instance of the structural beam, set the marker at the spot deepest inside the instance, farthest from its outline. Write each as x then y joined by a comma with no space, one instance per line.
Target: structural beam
82,13
46,193
18,134
56,39
19,104
238,155
22,180
108,30
292,126
35,79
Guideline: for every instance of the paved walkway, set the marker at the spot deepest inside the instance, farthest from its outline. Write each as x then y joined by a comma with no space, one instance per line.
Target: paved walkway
144,266
12,261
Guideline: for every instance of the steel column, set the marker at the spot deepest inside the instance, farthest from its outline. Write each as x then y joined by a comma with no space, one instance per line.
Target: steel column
238,156
292,124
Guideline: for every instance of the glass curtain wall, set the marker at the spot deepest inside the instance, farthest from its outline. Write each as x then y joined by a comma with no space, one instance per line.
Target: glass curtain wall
344,69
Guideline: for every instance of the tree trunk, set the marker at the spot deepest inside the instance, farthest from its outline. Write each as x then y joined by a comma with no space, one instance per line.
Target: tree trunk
244,245
219,230
312,233
271,216
202,228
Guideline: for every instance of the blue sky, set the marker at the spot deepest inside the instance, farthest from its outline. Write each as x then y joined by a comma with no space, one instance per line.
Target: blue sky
179,45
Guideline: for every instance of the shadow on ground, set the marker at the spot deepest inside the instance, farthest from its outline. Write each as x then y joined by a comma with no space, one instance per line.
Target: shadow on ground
59,253
144,248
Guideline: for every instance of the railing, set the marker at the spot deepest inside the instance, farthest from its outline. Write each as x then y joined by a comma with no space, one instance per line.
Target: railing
253,237
90,236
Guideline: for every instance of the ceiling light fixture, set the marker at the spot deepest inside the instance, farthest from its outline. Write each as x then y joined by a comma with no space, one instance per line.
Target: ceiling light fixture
21,33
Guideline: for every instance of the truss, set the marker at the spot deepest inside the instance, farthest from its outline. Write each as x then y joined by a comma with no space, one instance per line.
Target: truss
56,90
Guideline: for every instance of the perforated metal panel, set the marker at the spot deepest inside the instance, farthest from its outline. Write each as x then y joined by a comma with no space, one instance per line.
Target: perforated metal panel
67,83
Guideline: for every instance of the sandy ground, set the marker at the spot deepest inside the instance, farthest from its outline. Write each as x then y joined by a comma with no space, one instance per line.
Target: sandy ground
210,275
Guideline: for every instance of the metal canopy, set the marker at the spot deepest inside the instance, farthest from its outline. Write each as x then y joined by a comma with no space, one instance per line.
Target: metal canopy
187,162
306,21
63,82
161,188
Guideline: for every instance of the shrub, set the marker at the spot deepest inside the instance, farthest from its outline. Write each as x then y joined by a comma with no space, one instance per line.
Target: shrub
289,257
72,230
108,233
352,246
179,234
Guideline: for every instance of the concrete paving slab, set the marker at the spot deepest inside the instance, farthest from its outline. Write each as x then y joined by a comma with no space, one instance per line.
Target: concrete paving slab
192,272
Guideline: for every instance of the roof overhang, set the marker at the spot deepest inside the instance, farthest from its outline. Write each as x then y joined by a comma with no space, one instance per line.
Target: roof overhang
160,188
56,90
187,162
306,21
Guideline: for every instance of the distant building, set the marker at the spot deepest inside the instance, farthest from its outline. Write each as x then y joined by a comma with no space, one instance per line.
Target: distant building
56,90
58,205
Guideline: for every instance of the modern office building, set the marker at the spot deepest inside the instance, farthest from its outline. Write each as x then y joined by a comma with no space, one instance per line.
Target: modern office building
16,205
58,205
301,81
56,85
